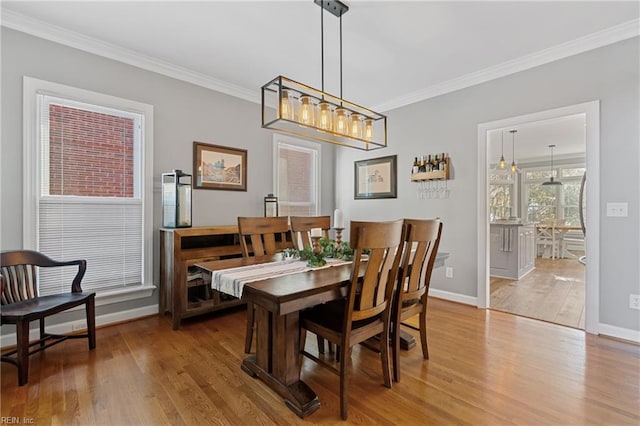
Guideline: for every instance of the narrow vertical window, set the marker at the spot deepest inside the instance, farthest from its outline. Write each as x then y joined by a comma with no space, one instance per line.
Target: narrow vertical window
297,176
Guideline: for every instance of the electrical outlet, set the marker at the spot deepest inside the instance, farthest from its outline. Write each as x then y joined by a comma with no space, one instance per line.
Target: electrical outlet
634,301
448,272
78,325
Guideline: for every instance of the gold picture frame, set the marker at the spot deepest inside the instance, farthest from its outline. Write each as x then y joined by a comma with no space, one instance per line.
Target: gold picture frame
219,167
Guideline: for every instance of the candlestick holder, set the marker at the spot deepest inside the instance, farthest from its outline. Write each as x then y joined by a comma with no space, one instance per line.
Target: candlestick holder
316,244
338,235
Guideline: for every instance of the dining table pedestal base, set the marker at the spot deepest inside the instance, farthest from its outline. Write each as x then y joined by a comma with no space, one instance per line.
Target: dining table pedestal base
277,361
299,397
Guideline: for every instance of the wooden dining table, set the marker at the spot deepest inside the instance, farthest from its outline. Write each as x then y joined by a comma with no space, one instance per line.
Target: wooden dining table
278,302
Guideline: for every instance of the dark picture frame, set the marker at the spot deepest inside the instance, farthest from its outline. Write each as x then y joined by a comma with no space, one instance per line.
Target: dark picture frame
376,178
219,167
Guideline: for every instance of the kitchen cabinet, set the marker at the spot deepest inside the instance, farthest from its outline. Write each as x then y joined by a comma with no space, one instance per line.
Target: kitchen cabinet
512,249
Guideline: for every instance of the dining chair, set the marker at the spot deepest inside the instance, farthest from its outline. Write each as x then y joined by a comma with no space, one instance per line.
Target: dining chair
546,238
261,236
21,304
420,241
366,310
301,227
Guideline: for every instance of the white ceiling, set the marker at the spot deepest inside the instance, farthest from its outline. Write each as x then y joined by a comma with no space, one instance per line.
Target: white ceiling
394,52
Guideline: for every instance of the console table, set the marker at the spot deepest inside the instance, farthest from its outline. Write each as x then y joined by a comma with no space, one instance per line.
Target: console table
185,294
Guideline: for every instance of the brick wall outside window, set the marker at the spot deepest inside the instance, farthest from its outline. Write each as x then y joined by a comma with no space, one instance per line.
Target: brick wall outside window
90,153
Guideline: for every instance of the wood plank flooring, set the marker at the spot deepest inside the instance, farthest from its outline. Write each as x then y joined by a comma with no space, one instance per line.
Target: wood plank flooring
486,367
553,292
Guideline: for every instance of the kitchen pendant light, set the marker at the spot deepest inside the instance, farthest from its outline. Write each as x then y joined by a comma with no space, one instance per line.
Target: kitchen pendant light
503,163
514,169
551,181
297,109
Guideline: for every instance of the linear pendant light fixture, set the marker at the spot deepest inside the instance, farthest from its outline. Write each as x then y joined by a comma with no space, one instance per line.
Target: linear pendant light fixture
297,109
551,181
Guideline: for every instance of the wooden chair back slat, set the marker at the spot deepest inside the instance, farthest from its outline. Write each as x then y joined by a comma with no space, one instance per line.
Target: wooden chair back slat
19,283
301,227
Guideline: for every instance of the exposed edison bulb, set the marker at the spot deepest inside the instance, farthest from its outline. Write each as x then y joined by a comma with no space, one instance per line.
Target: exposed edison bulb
355,127
305,113
513,167
325,116
342,122
368,129
503,163
286,106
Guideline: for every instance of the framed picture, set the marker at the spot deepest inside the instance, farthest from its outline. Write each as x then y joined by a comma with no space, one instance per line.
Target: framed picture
375,178
219,167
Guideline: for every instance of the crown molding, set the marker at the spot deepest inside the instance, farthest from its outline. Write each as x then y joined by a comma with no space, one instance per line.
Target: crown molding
19,22
592,41
60,35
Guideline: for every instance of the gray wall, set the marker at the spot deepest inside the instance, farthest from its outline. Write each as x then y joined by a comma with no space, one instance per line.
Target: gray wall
183,113
449,123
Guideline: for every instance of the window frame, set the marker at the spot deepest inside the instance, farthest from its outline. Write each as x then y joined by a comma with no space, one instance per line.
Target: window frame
278,140
33,87
559,204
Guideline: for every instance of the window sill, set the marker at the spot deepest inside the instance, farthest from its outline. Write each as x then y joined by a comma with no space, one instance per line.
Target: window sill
124,295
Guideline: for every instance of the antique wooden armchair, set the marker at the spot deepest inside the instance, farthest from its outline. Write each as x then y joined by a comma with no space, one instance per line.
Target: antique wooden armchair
22,304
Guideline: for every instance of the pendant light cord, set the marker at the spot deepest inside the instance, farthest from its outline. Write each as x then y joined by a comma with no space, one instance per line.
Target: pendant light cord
322,46
341,59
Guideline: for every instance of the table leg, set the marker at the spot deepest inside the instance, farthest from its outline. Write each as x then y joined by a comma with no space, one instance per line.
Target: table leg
277,361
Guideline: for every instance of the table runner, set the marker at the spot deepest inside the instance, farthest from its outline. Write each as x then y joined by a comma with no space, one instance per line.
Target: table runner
231,281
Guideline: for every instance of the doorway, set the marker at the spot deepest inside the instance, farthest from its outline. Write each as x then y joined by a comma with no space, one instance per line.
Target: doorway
590,114
534,201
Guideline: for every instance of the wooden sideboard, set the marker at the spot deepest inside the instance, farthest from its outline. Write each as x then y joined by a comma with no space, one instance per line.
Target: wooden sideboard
181,248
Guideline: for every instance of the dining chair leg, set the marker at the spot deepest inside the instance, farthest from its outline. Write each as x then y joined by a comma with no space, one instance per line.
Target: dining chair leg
249,334
343,384
91,322
42,332
395,350
22,355
423,333
384,356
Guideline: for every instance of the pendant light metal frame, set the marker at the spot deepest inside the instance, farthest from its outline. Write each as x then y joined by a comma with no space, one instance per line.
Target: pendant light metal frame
372,133
551,181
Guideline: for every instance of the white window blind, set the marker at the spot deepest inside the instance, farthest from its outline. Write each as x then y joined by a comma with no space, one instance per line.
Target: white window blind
107,233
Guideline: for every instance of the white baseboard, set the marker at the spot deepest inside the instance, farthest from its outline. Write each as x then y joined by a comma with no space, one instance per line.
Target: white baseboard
619,332
454,297
67,327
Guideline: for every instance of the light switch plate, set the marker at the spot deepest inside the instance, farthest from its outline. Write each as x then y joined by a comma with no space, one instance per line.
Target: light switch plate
617,209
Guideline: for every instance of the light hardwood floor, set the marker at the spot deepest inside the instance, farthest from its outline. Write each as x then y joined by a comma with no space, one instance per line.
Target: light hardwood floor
486,367
553,292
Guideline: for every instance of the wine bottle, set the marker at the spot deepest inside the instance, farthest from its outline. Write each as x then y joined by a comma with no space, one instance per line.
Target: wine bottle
443,162
416,166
